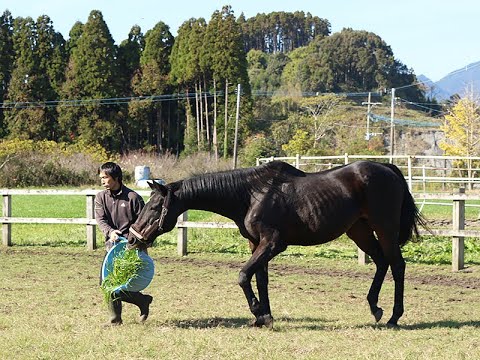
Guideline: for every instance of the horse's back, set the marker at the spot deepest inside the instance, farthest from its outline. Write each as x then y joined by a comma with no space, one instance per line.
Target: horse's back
313,208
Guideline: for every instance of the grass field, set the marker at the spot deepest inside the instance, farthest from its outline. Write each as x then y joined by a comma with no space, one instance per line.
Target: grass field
51,305
51,308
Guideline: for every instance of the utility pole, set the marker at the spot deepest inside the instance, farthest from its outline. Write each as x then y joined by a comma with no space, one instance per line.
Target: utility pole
225,141
392,125
369,105
236,128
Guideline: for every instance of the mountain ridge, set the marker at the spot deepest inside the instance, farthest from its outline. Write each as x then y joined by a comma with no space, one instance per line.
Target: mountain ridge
458,82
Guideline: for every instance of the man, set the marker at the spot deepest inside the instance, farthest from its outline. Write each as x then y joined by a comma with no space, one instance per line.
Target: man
116,208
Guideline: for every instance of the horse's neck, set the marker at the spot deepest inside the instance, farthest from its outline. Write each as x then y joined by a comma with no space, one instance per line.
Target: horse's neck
227,206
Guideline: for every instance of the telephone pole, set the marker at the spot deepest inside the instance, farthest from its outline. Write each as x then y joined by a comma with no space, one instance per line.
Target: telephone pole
392,125
237,117
369,105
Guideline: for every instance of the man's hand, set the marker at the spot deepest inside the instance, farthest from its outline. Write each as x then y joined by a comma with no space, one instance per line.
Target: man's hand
114,235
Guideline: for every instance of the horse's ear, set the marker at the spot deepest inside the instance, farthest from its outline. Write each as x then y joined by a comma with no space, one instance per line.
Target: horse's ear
158,187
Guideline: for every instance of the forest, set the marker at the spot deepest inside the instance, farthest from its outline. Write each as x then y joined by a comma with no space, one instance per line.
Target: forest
162,93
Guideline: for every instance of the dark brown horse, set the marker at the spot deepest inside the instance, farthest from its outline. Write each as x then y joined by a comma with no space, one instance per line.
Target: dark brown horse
276,205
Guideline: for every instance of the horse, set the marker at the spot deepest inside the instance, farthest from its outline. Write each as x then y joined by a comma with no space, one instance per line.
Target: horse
276,205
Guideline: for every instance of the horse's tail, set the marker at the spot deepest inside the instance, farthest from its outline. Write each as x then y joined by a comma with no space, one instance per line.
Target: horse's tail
410,216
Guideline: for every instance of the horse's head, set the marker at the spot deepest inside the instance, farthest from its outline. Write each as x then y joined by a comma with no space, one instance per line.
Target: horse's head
155,218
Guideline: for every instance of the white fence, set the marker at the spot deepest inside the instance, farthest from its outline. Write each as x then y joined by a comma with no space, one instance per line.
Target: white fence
458,231
418,169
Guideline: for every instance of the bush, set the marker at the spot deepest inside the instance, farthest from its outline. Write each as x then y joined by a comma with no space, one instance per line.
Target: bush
25,163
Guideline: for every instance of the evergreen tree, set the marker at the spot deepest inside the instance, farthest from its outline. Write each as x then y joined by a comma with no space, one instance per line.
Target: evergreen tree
6,60
152,81
129,53
74,34
186,74
29,88
281,31
91,80
224,57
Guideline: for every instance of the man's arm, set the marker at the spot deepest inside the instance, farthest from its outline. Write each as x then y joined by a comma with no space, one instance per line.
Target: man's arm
101,217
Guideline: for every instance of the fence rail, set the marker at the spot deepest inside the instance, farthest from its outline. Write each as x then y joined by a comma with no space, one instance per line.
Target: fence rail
457,233
419,169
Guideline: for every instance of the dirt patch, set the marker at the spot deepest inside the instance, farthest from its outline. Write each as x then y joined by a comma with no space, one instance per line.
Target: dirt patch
454,279
282,269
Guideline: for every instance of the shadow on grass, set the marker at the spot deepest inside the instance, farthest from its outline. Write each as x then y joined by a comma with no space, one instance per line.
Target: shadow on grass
209,323
314,324
244,322
441,324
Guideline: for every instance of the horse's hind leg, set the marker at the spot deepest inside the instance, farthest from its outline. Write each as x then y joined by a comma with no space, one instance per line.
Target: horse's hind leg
398,273
363,236
393,255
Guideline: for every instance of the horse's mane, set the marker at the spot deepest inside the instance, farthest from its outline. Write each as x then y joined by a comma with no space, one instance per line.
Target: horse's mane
240,184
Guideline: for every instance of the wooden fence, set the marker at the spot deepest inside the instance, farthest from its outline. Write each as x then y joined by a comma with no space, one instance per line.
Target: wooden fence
457,233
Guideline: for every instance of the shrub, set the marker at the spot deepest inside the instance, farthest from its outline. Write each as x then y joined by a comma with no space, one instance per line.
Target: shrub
25,163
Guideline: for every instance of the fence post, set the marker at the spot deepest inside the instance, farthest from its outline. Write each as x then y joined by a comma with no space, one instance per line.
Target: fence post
363,258
91,229
424,181
182,236
458,248
409,167
297,161
7,228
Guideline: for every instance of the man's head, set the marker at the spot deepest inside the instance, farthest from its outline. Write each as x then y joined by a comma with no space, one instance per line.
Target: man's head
110,176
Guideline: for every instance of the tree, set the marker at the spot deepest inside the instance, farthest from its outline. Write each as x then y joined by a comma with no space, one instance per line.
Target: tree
462,129
32,80
321,110
281,31
6,59
91,81
186,73
129,53
225,59
151,82
265,70
352,61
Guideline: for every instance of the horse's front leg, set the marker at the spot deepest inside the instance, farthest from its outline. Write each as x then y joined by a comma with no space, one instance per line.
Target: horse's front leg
265,318
257,264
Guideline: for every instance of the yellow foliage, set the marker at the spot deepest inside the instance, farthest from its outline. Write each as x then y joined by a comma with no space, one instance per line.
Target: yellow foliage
17,146
462,129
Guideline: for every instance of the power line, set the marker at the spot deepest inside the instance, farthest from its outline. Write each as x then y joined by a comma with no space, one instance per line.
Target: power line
102,101
419,105
153,98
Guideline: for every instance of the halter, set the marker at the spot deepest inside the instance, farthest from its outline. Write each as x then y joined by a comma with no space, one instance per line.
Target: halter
142,236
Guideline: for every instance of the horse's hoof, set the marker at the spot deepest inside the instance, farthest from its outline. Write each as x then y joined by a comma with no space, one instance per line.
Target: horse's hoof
268,321
392,325
264,320
378,314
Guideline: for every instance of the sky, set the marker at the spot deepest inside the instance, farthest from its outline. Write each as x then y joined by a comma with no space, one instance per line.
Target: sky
431,37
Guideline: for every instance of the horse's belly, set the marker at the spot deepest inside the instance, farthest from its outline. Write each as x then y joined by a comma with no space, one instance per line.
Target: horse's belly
320,233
